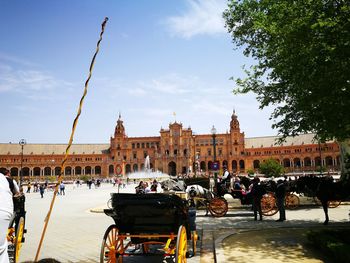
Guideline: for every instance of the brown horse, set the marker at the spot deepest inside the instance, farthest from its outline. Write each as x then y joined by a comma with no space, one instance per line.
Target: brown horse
325,189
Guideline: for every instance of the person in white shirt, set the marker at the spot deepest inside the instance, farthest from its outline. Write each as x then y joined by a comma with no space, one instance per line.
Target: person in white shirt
226,175
6,211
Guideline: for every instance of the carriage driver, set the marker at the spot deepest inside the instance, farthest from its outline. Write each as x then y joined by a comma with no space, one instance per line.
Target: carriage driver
225,176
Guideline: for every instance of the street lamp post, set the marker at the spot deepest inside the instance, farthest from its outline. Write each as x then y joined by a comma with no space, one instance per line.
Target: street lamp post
213,133
22,142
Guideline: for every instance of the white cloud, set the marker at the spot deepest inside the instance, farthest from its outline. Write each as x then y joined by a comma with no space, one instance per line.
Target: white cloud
16,60
171,84
212,106
29,82
204,17
137,92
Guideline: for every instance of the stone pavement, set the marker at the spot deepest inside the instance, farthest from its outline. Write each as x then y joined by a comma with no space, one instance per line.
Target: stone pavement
74,233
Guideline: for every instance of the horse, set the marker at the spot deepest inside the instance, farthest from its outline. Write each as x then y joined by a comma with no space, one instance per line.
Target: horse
173,185
325,189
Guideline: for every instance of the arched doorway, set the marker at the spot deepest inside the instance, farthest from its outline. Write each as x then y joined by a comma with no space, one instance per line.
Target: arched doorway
47,171
172,168
57,170
234,165
202,166
317,161
111,169
210,165
98,170
68,170
25,171
14,172
225,164
286,162
241,165
135,167
36,171
307,161
78,170
297,163
256,164
128,168
88,170
329,161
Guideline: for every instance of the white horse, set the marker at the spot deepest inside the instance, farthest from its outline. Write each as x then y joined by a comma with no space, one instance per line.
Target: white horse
198,191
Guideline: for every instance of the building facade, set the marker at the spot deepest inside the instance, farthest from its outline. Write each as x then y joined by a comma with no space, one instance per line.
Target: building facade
177,150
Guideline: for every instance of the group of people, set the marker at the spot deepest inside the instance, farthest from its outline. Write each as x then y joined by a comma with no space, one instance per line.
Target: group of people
145,187
256,190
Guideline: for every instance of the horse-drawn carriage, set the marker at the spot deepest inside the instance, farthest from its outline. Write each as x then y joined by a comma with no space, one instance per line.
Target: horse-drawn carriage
16,229
148,224
218,206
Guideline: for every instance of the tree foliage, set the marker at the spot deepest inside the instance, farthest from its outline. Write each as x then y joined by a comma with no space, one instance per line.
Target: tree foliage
271,167
302,53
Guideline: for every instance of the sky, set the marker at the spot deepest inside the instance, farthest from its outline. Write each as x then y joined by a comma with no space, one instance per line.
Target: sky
159,61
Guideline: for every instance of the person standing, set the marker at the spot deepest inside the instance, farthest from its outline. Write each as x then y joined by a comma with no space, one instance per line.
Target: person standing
257,192
29,187
6,211
280,196
42,190
62,187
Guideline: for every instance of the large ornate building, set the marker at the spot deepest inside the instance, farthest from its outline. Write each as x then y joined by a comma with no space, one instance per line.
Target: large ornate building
176,150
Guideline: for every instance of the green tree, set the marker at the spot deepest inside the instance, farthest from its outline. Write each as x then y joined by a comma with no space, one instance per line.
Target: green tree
302,53
270,167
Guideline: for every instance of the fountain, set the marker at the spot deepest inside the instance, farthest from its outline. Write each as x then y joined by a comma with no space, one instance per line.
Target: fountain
147,173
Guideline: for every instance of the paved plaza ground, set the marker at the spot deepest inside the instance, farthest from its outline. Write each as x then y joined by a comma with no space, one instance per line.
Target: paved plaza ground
75,233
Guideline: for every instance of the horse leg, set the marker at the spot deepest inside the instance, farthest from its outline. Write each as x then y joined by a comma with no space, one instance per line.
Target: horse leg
325,209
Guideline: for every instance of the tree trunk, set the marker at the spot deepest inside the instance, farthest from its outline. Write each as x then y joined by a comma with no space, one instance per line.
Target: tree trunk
344,150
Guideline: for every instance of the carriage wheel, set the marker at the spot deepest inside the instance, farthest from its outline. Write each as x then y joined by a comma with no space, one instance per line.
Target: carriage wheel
18,239
112,246
292,201
268,205
194,238
334,203
331,203
181,245
218,207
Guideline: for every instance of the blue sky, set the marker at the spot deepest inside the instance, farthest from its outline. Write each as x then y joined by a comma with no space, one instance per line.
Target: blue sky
157,57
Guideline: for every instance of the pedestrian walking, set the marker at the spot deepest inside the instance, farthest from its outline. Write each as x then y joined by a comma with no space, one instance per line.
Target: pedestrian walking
42,190
280,196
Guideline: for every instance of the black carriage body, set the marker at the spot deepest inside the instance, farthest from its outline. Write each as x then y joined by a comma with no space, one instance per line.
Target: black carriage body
148,213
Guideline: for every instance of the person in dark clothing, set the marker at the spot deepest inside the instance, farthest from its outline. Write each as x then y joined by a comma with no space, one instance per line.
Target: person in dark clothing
280,195
257,193
42,189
